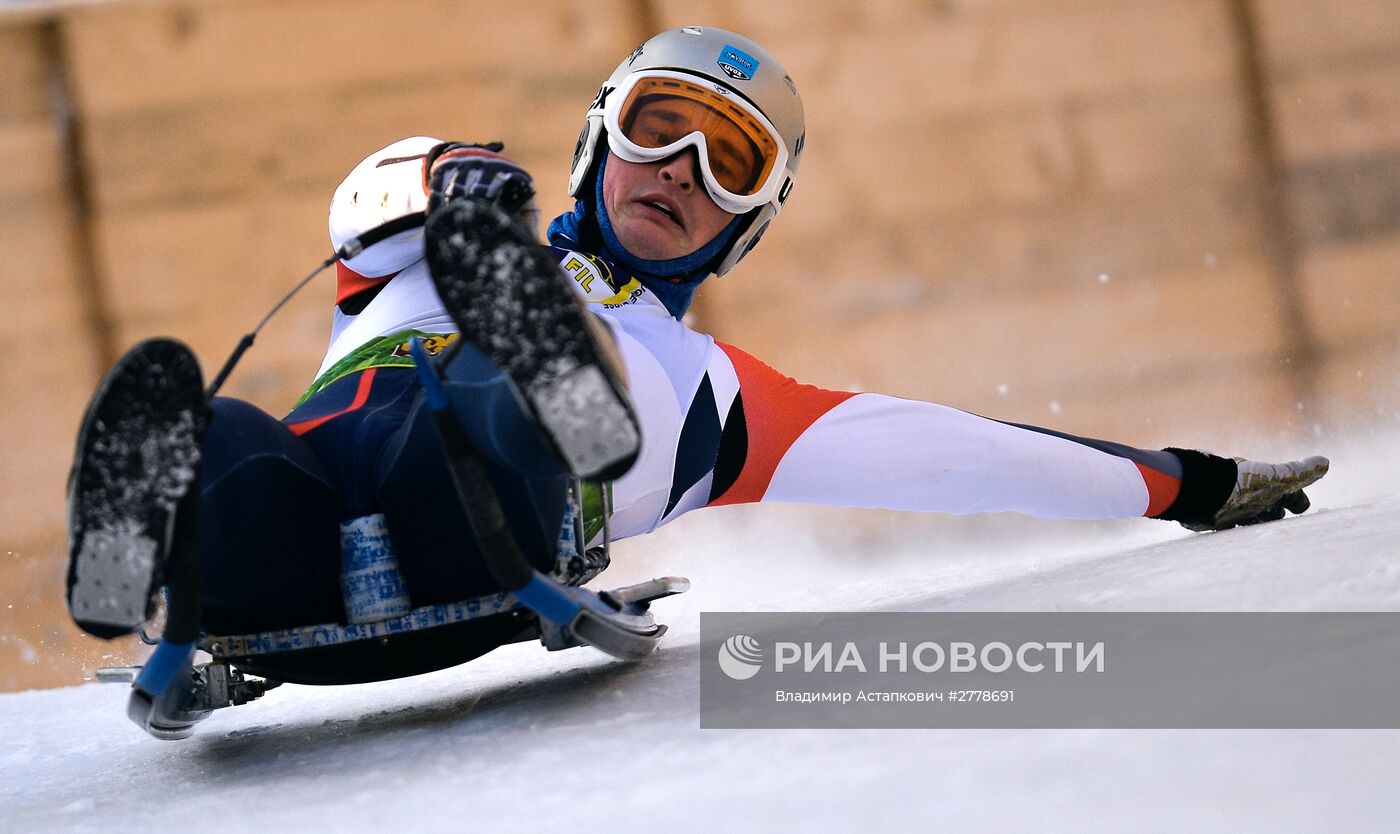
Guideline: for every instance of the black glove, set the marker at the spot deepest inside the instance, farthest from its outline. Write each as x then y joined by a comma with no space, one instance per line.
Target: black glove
455,170
1219,493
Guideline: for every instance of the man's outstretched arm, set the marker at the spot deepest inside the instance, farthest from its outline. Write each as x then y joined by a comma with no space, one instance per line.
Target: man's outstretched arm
789,442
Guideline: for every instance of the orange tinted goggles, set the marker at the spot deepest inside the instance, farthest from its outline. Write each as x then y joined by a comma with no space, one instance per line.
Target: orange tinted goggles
741,150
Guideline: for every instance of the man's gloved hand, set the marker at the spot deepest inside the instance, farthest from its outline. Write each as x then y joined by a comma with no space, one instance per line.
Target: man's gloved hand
1262,492
456,170
1218,493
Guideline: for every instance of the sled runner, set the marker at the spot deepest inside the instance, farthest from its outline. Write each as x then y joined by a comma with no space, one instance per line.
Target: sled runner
172,692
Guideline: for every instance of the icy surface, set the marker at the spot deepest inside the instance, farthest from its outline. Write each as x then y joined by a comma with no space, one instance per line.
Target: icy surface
527,740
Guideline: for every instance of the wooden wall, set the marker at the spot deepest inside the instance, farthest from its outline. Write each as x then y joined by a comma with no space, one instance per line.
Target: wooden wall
1044,211
1166,221
1334,72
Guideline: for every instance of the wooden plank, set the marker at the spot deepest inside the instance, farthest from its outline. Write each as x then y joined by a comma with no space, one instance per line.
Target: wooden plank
942,257
207,274
1298,34
1350,291
148,55
24,64
1360,384
1159,364
225,255
33,155
53,356
288,352
1336,112
51,365
1167,137
1095,336
38,281
1143,359
1234,410
1023,157
304,145
820,17
164,266
1337,201
282,364
954,58
47,383
838,16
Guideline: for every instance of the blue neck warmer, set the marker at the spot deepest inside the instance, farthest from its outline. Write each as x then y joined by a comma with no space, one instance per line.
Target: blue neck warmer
571,228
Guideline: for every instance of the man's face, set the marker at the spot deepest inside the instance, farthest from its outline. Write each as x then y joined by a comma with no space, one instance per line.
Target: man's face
660,210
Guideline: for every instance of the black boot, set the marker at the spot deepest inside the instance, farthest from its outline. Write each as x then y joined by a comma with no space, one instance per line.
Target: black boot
138,455
511,300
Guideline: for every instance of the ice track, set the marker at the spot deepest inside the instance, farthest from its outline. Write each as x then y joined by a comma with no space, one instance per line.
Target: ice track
523,740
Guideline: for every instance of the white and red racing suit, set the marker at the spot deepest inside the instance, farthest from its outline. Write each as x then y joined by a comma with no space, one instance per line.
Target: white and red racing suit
718,425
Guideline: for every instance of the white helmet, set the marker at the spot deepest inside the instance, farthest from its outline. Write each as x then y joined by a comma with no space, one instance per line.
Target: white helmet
740,78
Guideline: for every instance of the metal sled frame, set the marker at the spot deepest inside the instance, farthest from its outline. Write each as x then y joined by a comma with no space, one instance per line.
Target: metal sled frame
171,692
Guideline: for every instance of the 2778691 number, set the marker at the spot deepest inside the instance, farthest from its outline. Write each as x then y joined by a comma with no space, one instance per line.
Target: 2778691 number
993,695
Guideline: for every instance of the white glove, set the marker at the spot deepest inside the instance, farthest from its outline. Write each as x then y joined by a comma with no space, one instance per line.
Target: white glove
1263,492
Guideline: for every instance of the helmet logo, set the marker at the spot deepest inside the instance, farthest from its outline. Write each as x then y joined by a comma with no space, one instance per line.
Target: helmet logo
600,101
737,63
